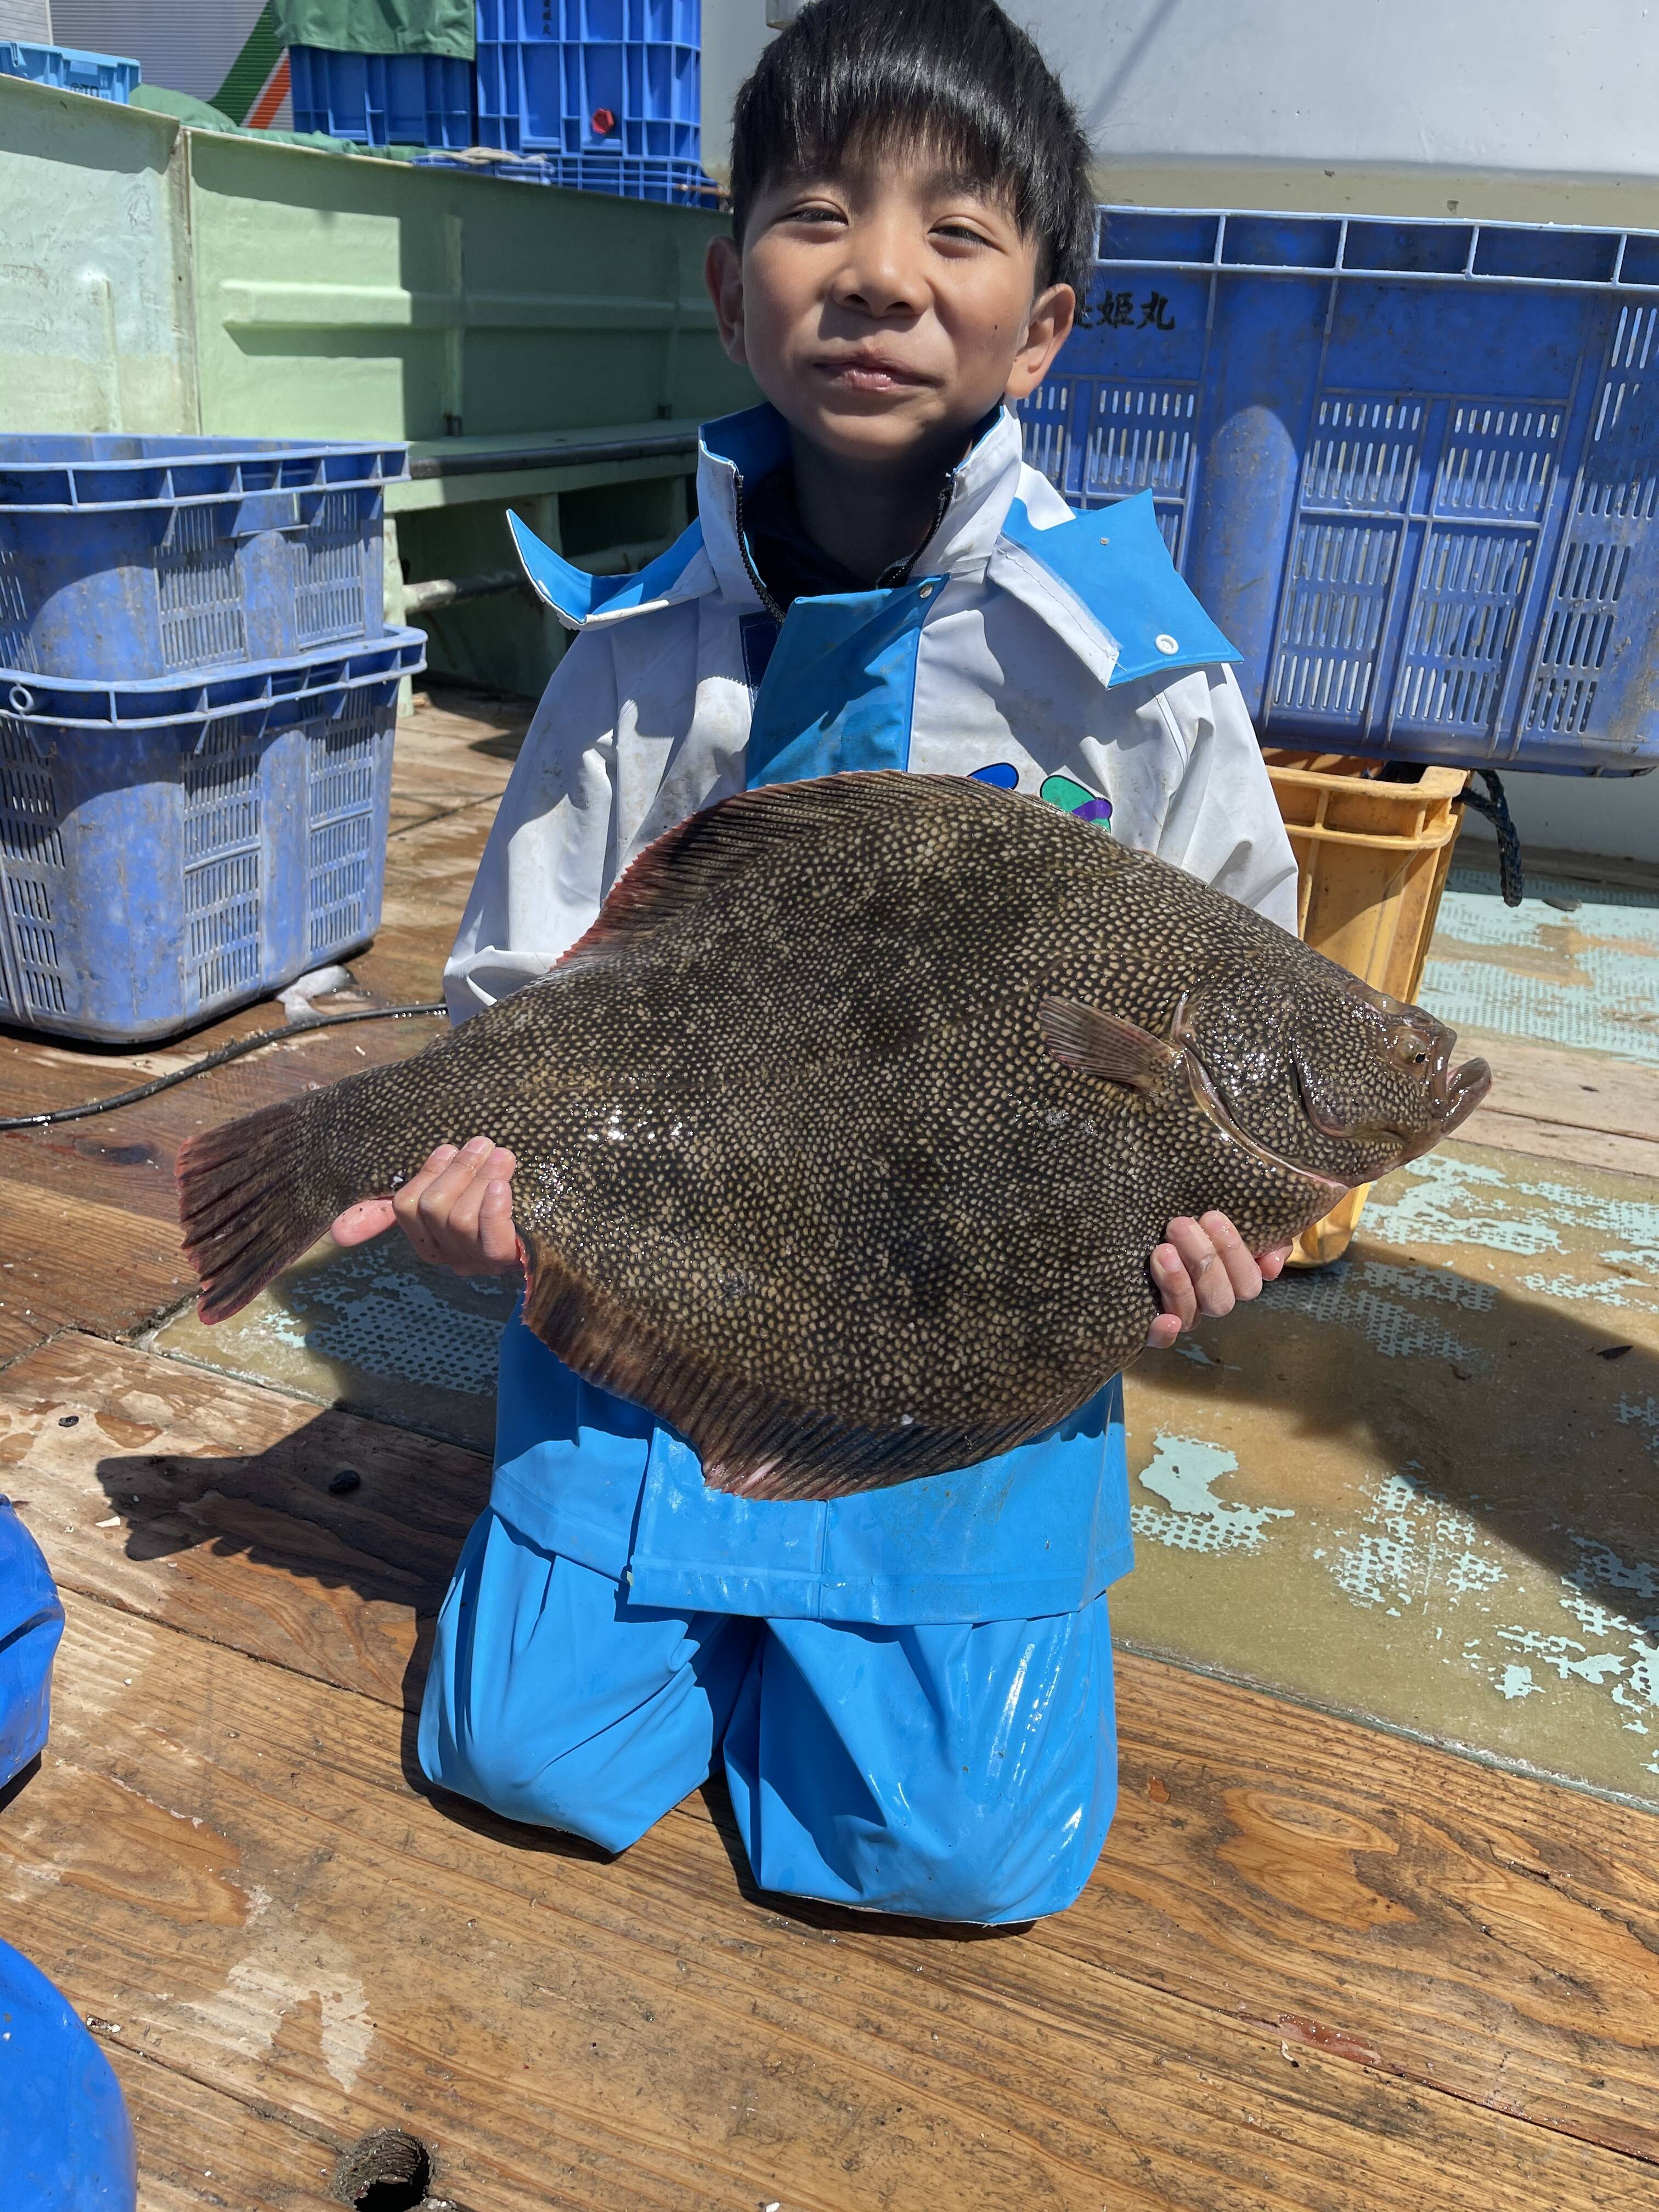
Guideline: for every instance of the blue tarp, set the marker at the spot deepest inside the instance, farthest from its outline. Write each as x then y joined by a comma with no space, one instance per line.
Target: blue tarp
66,2141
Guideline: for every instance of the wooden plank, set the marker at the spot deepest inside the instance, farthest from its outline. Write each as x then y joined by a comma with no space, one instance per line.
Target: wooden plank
458,745
226,1859
126,1158
72,1263
1302,1871
197,1499
1580,1089
1560,1104
1472,1931
1612,1154
429,871
198,2148
1545,862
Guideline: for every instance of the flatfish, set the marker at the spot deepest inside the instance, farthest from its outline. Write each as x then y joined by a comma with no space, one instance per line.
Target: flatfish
845,1134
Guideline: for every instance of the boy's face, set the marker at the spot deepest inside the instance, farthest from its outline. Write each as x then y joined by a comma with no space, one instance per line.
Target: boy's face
885,311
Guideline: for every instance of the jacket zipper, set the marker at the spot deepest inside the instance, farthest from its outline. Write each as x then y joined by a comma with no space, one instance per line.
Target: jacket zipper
891,577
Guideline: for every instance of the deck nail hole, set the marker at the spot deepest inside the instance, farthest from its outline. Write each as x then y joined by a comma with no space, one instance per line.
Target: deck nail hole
68,1420
347,1478
383,2172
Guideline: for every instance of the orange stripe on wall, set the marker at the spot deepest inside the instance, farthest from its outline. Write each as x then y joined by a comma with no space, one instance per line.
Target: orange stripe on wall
270,99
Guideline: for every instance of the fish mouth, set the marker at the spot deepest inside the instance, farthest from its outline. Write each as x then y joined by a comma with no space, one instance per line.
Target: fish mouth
1452,1094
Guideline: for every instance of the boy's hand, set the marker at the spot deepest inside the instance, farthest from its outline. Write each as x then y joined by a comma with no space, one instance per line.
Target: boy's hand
457,1211
1204,1269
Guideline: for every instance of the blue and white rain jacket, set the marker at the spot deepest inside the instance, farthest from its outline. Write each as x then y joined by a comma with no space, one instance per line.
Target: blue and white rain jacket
1043,650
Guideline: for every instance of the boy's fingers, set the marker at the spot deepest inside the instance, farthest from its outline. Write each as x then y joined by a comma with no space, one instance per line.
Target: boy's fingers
1271,1264
1211,1288
1235,1255
1163,1333
370,1216
457,1233
497,1237
405,1207
432,1198
1174,1285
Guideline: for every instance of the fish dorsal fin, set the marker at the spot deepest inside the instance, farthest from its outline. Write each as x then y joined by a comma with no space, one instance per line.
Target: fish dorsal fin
710,851
1104,1045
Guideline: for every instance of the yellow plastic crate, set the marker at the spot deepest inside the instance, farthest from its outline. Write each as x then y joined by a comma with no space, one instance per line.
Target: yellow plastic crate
1372,858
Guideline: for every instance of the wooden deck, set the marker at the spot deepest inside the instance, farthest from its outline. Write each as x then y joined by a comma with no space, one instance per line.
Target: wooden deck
1320,1966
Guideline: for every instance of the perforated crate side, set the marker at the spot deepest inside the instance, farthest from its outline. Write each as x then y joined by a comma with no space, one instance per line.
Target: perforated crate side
1411,468
382,99
31,878
574,77
348,785
153,588
102,76
156,873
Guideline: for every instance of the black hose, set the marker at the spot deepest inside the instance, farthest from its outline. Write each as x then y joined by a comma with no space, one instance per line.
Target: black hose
225,1052
1510,879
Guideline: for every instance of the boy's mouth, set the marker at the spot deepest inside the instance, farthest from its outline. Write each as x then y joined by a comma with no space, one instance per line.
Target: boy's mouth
870,372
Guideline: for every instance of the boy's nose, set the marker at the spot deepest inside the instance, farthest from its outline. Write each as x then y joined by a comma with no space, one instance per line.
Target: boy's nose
878,273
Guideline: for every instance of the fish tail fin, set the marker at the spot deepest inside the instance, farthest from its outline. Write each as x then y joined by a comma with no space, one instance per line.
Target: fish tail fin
250,1202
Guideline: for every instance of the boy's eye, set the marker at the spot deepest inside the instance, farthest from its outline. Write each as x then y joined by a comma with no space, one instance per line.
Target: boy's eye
965,233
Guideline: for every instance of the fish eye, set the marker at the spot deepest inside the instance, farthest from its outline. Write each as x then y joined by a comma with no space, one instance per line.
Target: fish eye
1408,1050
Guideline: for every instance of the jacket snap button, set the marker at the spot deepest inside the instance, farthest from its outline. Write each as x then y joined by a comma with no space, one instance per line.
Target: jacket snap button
1165,643
926,593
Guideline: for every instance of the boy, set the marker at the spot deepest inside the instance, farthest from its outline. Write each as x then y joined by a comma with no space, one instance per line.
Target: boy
911,1689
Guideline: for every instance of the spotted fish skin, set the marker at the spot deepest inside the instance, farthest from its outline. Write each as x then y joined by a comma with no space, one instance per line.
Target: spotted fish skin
799,1170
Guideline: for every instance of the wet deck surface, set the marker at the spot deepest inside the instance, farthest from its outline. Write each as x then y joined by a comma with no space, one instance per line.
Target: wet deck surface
1379,1918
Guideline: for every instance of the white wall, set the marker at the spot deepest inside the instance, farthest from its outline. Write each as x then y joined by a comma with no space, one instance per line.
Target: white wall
1617,817
1436,98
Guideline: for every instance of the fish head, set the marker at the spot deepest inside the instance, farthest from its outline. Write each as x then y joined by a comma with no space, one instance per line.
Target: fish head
1323,1071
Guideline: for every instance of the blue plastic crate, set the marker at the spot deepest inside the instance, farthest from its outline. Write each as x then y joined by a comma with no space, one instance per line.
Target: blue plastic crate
683,183
136,556
382,99
169,850
105,76
1411,468
583,76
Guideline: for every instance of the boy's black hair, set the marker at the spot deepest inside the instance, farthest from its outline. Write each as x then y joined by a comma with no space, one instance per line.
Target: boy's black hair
859,77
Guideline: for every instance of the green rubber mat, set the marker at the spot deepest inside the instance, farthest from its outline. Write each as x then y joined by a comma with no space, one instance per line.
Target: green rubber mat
1422,1486
1583,971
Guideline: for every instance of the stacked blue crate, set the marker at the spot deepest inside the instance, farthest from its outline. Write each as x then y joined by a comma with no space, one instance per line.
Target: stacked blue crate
197,695
104,77
382,99
683,184
1411,468
612,77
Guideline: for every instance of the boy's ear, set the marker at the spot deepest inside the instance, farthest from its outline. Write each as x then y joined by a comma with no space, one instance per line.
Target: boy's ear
722,272
1047,328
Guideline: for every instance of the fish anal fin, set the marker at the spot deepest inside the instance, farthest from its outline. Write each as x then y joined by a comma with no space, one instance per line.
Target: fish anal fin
753,1442
1107,1046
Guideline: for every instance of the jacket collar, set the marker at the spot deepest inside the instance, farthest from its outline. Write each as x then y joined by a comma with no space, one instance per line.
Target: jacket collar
739,450
999,519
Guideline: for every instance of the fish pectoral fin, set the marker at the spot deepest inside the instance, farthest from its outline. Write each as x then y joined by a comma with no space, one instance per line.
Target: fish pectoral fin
1104,1045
